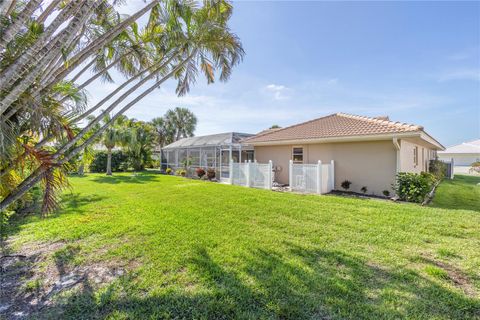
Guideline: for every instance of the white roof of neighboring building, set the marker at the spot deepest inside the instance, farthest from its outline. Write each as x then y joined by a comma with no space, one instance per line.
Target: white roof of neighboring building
465,147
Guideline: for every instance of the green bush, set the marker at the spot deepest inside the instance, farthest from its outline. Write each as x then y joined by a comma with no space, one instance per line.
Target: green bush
99,163
200,172
211,173
168,171
438,169
181,172
413,187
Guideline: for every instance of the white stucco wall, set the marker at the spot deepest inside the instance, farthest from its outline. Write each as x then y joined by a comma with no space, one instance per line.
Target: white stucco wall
371,164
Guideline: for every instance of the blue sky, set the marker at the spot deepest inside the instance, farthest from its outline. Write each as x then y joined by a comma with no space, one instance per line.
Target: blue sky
417,62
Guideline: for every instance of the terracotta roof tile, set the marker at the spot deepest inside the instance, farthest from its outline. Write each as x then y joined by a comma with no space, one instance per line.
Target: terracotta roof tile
335,125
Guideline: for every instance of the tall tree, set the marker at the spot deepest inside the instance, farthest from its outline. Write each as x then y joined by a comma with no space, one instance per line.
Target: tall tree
183,122
139,143
164,131
113,136
180,39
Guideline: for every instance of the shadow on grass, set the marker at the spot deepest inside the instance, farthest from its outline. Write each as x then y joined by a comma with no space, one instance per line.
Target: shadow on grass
309,283
70,203
461,193
137,178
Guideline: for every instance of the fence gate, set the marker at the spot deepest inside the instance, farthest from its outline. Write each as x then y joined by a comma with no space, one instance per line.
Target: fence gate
311,178
252,174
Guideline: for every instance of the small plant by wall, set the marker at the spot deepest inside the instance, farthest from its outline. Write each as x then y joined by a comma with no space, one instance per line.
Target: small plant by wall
386,193
364,189
211,173
168,171
346,185
181,172
200,172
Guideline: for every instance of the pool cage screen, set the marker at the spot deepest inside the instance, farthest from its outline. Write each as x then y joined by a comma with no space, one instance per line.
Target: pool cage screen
197,152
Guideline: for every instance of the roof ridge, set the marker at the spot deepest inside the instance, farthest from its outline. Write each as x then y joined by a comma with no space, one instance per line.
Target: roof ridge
380,121
292,126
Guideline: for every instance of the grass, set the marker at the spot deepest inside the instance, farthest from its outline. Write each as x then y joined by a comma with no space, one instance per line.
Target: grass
200,250
463,192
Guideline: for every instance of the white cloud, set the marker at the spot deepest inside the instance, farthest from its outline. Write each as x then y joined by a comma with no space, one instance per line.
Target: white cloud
280,92
460,74
465,54
332,81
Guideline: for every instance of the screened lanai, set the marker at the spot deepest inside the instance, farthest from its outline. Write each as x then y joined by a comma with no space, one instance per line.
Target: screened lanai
212,151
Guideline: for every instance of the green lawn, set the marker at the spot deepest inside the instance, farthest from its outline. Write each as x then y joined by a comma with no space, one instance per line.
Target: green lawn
463,192
201,250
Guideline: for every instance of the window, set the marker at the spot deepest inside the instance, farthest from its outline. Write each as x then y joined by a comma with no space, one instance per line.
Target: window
415,156
297,155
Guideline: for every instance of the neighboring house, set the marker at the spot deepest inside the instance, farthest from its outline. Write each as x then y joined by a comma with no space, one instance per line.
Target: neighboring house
463,155
366,151
211,151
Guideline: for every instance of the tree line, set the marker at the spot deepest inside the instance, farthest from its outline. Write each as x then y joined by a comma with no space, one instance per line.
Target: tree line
137,139
52,51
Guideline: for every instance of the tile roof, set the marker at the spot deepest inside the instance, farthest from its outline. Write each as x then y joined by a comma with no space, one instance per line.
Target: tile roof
335,125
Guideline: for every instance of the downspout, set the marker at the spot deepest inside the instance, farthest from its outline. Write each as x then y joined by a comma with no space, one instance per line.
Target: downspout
396,144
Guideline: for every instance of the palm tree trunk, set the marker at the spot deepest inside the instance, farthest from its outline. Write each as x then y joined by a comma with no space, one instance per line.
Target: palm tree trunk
95,77
89,126
81,169
12,6
16,70
6,7
67,35
37,174
83,70
109,161
40,144
126,83
43,16
100,42
18,23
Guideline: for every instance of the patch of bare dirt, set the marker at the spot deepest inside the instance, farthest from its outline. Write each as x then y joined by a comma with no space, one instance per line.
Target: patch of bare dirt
456,276
32,277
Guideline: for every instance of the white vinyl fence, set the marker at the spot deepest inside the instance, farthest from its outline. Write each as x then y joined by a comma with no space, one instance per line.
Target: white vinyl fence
252,174
311,178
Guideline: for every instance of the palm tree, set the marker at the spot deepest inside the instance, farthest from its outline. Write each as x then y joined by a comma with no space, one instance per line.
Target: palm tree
164,131
139,143
183,122
113,136
181,38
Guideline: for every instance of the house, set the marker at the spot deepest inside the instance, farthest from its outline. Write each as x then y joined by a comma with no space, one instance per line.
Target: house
210,151
366,151
463,155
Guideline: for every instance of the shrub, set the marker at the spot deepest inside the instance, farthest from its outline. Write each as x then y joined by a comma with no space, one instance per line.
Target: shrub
124,166
386,193
364,189
210,173
346,184
99,163
438,169
153,164
475,167
181,172
168,171
414,187
200,172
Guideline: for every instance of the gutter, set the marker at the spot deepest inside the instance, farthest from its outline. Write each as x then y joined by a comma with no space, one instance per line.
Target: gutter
374,137
396,144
